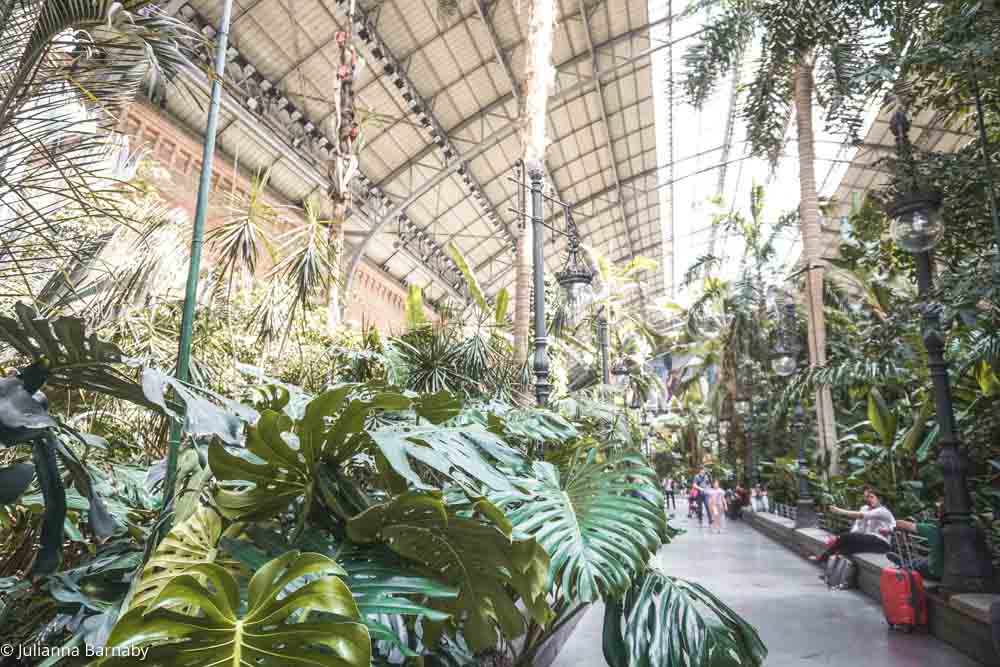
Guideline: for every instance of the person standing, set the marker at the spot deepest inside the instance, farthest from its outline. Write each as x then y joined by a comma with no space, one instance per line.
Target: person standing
931,567
668,493
702,482
717,506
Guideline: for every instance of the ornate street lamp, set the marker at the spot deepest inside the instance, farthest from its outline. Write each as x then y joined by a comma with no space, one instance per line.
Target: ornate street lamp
784,355
576,276
620,374
805,511
784,362
917,226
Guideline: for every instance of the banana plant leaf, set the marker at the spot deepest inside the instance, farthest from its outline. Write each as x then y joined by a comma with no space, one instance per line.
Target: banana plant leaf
478,555
667,622
270,632
600,521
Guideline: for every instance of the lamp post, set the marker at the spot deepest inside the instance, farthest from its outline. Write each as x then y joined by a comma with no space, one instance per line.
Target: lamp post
917,226
805,511
575,278
602,340
541,360
742,408
784,362
620,373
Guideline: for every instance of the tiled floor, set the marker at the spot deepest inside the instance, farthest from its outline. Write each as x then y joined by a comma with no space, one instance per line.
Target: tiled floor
802,622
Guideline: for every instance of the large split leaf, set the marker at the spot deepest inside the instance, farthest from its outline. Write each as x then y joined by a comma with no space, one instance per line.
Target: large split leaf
193,542
600,521
271,632
466,454
385,586
666,622
476,554
299,461
76,360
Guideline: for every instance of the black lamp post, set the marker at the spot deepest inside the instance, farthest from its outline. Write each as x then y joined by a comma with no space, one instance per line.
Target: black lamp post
805,511
784,362
575,278
742,408
917,226
620,373
602,340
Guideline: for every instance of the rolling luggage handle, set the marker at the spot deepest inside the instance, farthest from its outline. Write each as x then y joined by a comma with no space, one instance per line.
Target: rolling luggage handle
906,566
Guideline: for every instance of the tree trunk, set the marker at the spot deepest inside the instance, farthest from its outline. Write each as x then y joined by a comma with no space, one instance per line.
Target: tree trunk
812,257
335,248
538,74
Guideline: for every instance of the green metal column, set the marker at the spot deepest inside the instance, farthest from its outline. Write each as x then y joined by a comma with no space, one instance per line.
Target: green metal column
197,241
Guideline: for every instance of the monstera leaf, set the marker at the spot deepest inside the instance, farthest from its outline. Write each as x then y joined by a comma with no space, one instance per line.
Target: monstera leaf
597,533
386,587
193,542
74,359
668,622
66,356
276,630
476,554
299,461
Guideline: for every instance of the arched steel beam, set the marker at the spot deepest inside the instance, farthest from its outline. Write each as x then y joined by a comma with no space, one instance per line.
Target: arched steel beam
594,197
493,282
501,135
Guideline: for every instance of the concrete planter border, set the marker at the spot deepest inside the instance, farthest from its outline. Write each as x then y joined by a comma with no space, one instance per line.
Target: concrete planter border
960,620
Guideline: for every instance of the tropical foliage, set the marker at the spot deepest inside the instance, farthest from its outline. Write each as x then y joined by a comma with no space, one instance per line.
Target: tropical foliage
351,498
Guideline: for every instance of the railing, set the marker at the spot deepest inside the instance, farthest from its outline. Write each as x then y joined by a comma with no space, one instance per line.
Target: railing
782,510
836,524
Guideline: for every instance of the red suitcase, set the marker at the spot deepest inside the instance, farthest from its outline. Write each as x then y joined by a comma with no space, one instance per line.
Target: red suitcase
903,598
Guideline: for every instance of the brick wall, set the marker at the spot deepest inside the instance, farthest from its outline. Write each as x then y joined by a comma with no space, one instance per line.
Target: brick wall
376,298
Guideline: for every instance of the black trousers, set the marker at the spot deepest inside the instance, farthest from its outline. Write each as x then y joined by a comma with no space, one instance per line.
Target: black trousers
671,499
848,544
703,505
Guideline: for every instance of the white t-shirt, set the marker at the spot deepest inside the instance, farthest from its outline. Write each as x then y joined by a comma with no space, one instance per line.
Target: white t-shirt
873,521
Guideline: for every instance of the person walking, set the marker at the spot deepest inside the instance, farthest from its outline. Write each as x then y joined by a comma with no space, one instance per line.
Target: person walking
717,506
702,482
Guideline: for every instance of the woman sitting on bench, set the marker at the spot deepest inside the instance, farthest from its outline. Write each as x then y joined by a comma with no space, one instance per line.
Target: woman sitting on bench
873,523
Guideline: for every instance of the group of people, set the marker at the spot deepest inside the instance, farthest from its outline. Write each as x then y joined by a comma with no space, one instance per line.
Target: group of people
706,499
872,531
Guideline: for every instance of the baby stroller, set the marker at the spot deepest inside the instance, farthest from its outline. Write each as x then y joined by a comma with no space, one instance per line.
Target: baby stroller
694,507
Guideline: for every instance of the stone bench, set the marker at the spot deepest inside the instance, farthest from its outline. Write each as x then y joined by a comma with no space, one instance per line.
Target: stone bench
960,620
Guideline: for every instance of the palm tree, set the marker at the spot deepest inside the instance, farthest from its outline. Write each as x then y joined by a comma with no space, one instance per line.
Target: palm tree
69,69
798,40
